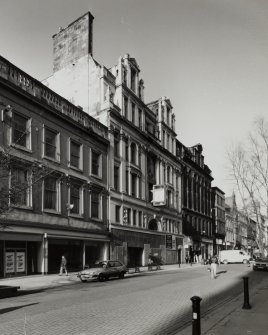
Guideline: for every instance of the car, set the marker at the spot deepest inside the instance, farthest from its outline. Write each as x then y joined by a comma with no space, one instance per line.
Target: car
260,263
103,270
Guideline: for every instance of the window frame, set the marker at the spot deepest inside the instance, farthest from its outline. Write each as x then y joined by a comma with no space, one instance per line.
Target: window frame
79,187
57,208
80,157
57,143
93,152
28,195
27,131
99,207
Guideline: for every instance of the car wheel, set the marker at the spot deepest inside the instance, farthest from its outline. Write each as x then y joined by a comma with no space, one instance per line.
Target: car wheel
254,268
225,262
101,277
121,275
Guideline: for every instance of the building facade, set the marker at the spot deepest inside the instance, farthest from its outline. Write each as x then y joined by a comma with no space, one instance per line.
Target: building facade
218,216
53,164
144,170
196,205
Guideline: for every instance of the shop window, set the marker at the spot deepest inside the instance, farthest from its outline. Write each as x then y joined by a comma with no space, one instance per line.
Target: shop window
51,194
51,143
20,187
75,154
21,131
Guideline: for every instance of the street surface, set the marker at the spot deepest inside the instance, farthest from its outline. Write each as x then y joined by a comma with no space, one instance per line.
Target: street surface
156,303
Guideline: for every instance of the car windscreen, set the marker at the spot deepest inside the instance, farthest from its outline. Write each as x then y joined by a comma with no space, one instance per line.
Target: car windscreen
98,265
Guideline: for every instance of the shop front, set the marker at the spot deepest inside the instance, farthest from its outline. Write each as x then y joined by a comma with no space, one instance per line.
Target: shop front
19,254
133,248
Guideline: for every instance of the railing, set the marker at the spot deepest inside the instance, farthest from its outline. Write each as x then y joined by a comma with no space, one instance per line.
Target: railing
33,87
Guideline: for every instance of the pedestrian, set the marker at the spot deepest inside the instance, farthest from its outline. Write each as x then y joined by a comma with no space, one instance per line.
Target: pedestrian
150,264
213,267
63,266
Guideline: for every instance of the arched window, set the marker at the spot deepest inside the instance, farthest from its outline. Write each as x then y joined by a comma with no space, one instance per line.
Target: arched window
153,225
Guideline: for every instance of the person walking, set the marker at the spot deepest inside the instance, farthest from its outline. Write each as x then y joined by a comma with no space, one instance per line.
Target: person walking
213,267
63,266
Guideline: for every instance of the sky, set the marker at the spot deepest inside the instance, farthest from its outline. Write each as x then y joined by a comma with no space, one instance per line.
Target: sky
209,57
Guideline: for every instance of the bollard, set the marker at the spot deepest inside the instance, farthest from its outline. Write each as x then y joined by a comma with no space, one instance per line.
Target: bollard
246,304
196,328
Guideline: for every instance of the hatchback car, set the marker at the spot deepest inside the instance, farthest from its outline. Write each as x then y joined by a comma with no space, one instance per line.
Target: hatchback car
260,264
103,270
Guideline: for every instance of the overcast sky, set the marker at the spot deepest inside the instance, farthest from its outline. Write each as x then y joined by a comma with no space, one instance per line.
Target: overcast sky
210,57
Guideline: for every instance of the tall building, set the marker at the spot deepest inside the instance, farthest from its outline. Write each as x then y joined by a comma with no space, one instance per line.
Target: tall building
218,216
144,170
196,205
53,179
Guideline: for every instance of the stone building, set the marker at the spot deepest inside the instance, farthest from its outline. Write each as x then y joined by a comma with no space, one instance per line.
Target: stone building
144,171
53,165
196,202
218,216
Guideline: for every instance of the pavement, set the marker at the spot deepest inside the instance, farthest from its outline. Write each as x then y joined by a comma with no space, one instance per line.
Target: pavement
229,318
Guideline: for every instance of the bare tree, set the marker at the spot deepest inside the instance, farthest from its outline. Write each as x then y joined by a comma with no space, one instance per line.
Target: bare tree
249,170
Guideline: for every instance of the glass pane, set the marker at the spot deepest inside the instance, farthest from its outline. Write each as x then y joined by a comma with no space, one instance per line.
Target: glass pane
50,143
50,193
75,154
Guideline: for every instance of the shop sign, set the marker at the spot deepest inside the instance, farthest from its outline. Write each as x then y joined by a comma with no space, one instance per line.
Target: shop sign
20,261
10,262
169,241
159,195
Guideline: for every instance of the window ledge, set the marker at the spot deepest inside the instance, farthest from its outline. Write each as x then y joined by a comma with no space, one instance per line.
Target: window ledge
22,207
75,168
20,147
51,211
96,176
54,160
76,216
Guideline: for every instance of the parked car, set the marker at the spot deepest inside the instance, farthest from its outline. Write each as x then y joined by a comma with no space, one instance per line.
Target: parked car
103,270
260,264
234,256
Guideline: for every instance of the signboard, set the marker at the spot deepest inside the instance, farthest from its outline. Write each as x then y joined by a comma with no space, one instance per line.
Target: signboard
10,262
159,195
20,261
169,241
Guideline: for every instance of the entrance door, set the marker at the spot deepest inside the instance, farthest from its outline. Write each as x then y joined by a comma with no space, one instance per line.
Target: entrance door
134,256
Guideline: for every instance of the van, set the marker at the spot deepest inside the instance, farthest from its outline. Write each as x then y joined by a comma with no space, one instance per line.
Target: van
234,256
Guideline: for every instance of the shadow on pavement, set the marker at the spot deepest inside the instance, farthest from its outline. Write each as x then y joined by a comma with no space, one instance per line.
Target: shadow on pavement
10,309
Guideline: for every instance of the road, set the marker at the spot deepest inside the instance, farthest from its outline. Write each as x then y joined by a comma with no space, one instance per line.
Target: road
156,303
